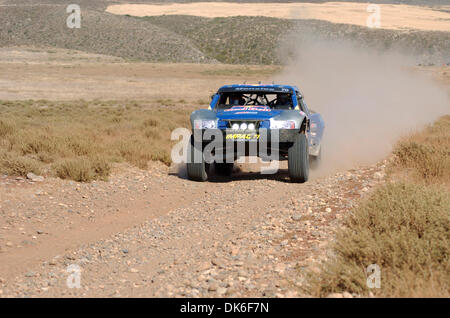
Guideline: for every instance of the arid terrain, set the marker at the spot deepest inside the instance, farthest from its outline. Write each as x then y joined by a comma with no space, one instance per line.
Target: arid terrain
67,75
394,16
86,180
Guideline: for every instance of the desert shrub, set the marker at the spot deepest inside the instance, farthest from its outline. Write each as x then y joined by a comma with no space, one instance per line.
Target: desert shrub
152,133
14,164
135,152
6,128
31,143
80,145
404,229
150,122
428,161
83,169
78,169
79,140
426,154
162,156
101,167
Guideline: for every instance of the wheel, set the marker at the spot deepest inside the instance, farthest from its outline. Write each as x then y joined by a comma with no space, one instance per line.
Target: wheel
298,159
223,169
314,161
197,171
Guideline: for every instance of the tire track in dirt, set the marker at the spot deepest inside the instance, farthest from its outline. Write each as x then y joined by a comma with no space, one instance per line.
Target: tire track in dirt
59,234
234,237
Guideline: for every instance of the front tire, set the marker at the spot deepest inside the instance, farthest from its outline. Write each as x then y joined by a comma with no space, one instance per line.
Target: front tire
196,171
298,159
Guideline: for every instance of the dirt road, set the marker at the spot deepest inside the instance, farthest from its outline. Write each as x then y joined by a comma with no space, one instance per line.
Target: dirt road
153,233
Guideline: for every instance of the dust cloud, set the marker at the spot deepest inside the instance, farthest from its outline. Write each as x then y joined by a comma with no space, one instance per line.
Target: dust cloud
368,99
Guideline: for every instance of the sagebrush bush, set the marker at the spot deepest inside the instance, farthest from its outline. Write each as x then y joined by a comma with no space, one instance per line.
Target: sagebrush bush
427,154
429,162
14,164
83,169
79,140
78,169
6,128
404,229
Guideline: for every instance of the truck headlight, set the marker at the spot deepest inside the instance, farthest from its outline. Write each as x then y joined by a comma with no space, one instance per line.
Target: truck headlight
204,124
282,124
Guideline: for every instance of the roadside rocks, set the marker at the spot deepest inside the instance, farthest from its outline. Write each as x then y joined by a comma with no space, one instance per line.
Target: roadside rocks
31,176
379,175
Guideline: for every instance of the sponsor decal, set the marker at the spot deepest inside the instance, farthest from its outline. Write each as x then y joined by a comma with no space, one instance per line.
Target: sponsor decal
260,89
267,89
249,108
242,136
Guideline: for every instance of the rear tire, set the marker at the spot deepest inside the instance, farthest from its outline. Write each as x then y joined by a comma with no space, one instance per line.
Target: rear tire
223,169
298,159
196,171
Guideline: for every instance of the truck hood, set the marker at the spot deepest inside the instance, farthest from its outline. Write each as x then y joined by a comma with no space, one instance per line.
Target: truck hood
247,113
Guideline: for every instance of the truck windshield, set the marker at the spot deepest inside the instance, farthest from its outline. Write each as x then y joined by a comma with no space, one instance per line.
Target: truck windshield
273,100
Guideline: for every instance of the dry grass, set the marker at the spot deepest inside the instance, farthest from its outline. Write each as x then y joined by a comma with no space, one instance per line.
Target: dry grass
83,169
404,227
80,140
426,155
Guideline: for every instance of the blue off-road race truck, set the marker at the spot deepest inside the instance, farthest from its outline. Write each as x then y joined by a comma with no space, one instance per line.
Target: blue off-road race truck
271,122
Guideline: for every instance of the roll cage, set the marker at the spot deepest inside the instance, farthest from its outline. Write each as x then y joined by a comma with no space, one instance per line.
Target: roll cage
228,97
273,100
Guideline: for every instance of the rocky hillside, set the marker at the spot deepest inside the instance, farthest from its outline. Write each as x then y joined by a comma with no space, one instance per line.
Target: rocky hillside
100,33
236,40
263,40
